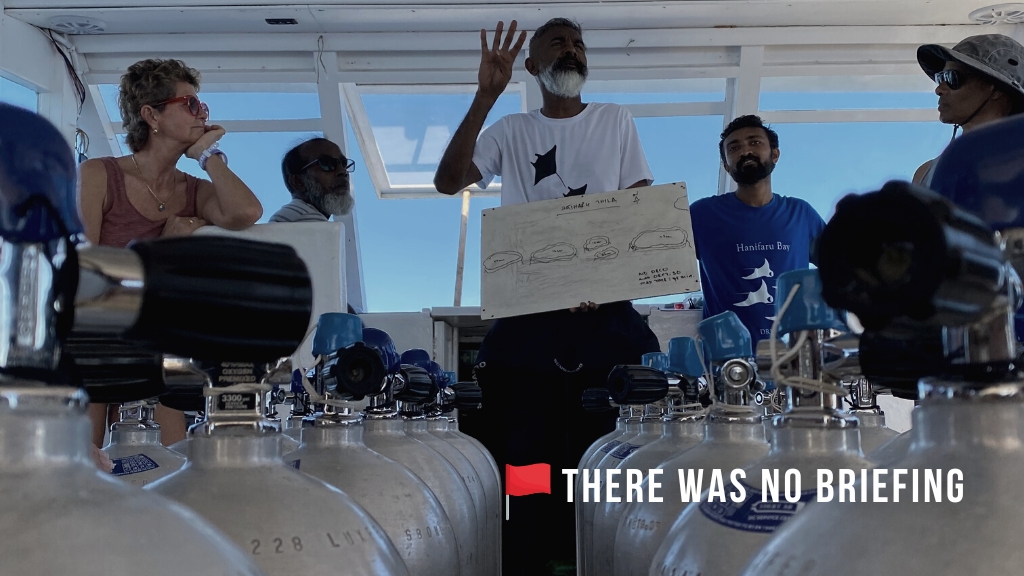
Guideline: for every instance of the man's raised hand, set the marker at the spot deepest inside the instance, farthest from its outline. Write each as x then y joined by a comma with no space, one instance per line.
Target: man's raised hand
496,61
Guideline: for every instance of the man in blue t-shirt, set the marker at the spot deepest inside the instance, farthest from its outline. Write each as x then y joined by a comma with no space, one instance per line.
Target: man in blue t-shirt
745,239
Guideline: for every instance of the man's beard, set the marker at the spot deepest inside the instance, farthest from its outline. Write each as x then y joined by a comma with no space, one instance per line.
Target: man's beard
749,174
564,77
336,202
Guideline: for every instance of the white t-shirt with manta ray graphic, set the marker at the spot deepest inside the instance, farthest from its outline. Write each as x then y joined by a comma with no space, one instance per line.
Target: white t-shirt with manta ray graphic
541,158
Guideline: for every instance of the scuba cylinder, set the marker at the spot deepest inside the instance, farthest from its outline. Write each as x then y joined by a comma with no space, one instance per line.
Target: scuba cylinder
893,450
135,449
450,397
630,416
734,437
646,387
721,533
597,400
841,357
414,413
333,450
967,434
384,433
683,428
53,492
235,459
870,418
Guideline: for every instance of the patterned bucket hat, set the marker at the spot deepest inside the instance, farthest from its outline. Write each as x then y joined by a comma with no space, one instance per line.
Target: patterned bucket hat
998,57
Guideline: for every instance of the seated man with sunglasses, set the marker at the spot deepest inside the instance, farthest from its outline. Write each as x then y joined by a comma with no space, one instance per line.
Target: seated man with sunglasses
980,80
317,175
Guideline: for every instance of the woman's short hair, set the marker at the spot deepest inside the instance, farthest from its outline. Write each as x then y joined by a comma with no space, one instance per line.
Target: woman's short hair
148,82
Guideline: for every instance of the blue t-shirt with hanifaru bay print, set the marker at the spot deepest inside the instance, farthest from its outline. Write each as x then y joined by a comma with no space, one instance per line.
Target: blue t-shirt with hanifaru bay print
742,250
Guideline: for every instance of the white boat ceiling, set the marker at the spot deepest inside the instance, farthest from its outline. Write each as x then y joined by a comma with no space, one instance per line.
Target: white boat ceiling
346,49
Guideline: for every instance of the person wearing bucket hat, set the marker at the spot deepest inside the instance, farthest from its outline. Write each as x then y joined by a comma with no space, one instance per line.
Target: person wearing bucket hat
980,80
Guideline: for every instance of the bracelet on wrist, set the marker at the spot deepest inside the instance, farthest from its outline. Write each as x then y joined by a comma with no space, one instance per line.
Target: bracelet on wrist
209,153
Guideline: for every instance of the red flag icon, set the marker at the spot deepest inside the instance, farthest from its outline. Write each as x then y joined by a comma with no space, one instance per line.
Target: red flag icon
524,480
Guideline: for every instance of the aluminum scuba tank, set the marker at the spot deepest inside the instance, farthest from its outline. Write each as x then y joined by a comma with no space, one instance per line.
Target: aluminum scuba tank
630,428
971,413
414,413
61,515
626,384
291,426
293,395
139,457
683,428
597,400
384,433
870,418
842,359
467,396
53,492
734,437
333,450
235,460
720,535
893,450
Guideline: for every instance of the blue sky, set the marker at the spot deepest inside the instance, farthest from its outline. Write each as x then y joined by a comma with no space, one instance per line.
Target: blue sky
410,247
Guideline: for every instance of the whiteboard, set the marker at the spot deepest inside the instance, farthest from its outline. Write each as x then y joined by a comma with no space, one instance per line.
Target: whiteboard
554,254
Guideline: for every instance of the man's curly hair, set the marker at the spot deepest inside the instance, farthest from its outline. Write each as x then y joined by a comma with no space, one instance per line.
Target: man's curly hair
147,82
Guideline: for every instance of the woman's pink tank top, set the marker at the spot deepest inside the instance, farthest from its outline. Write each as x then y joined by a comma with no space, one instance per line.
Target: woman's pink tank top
122,223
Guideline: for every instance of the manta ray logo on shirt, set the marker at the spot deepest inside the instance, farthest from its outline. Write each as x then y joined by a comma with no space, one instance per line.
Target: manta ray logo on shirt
546,165
761,296
762,271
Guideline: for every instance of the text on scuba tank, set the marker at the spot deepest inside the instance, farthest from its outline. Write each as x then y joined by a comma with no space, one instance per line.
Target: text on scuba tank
296,544
236,401
412,534
277,546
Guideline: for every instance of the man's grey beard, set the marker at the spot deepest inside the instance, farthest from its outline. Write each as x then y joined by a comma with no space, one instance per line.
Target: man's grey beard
336,203
564,83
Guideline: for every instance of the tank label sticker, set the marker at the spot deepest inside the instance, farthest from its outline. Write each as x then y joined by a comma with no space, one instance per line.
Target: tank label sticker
227,373
133,465
237,401
610,446
294,464
625,450
753,515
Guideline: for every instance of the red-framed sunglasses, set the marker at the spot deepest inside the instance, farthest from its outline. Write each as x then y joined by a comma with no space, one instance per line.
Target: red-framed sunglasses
193,104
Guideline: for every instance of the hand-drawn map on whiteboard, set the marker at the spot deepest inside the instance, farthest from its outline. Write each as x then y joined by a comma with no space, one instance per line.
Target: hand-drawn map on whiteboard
554,254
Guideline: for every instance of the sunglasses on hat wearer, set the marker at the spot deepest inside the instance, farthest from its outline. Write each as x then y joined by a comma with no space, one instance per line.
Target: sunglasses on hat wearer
193,104
953,78
330,164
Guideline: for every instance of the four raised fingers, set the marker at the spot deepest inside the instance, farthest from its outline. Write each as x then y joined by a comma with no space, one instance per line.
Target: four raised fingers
508,39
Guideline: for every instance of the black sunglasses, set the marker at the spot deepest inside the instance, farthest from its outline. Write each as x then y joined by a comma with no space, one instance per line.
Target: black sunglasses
955,80
330,164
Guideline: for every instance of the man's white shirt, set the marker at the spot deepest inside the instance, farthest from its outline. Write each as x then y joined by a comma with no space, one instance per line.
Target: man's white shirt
540,158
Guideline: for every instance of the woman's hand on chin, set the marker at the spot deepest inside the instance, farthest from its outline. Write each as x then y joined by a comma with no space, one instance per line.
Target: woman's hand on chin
213,134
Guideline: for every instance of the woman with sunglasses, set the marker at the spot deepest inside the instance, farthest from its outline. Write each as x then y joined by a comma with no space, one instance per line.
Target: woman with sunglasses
143,195
980,80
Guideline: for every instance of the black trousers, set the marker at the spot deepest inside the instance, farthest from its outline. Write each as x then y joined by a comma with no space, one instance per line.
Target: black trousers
533,370
526,420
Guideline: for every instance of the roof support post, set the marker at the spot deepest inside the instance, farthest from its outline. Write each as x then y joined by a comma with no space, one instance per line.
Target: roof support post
742,96
328,87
